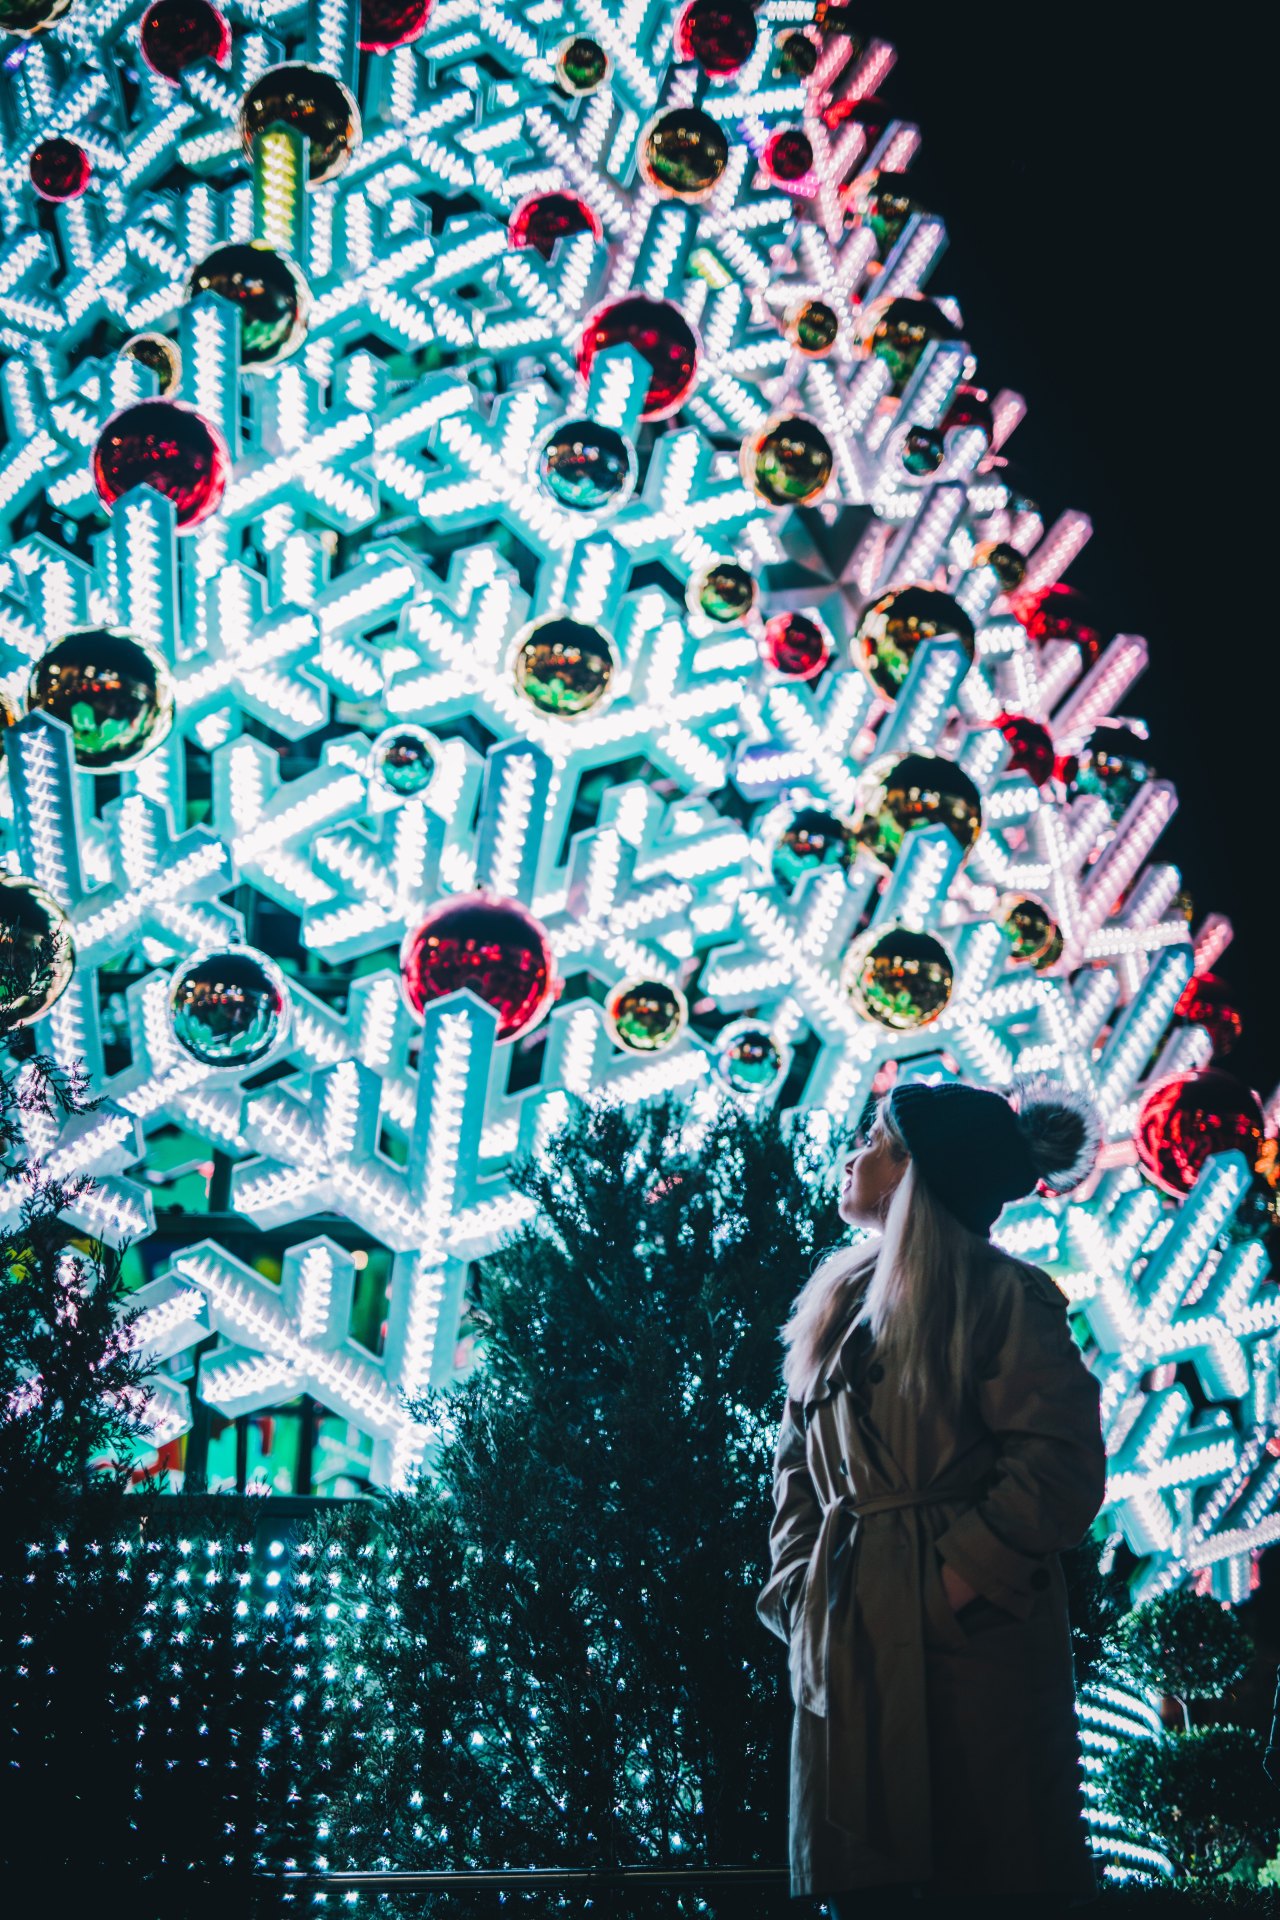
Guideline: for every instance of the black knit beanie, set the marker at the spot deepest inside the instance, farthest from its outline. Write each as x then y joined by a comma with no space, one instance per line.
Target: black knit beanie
975,1153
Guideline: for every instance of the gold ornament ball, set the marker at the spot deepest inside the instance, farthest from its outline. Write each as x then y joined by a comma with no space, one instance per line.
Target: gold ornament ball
789,463
160,356
920,790
645,1015
1034,934
890,633
37,955
899,978
312,102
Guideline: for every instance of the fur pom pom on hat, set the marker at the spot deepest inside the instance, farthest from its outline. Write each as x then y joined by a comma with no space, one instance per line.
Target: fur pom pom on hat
976,1150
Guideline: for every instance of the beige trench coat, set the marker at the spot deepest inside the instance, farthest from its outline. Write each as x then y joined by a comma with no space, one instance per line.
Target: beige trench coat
929,1745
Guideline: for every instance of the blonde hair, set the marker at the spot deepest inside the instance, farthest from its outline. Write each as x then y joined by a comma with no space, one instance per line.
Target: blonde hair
920,1302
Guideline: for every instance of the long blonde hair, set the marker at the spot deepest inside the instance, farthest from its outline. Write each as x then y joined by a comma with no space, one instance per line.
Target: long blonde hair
920,1301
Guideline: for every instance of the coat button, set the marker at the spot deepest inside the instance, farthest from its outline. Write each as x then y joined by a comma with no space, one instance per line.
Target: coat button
875,1373
1040,1578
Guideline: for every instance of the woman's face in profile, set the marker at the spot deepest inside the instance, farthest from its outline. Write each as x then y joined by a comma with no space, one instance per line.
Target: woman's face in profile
871,1174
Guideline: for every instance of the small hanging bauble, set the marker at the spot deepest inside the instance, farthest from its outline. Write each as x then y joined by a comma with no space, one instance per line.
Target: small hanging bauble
923,451
899,978
1190,1116
1113,765
387,24
683,153
563,667
59,169
795,646
645,1015
1030,747
311,102
229,1008
1257,1213
587,467
543,218
812,839
582,65
1033,934
970,407
492,945
797,54
37,956
813,328
25,17
719,34
269,291
159,355
788,462
177,34
891,631
902,333
404,759
660,334
1059,613
1208,1002
748,1058
1008,565
920,790
888,210
165,445
114,693
725,593
788,158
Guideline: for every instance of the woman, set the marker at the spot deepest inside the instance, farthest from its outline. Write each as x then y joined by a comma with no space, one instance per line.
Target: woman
940,1445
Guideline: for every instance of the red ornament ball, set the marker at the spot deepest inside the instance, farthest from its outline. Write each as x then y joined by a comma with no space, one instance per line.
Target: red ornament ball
718,34
59,169
795,646
1059,613
487,943
386,24
1207,1002
176,34
1190,1116
660,334
1030,746
543,218
161,444
970,407
788,155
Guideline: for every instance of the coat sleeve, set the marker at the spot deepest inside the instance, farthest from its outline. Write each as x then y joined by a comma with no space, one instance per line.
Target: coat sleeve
797,1518
1040,1403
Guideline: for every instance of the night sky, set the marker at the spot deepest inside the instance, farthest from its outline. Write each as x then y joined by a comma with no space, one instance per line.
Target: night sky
1098,185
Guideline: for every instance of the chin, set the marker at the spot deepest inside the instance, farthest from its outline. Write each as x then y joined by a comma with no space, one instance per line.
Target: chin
851,1212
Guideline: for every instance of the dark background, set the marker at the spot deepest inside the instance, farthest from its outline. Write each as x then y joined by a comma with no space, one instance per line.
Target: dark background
1102,182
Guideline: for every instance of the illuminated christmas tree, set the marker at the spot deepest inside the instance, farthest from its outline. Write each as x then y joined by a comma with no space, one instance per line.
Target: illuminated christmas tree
491,505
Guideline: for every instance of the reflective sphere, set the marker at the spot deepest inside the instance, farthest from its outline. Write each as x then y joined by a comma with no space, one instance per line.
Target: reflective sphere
489,944
797,54
788,156
1030,747
1059,613
229,1008
813,328
311,102
645,1015
1008,565
563,667
37,956
660,334
162,444
59,169
176,34
725,593
587,467
888,210
890,633
923,452
1034,935
1208,1002
159,355
904,330
970,407
795,646
582,65
684,153
789,463
812,839
386,24
1190,1116
920,790
270,292
543,218
747,1057
1114,765
898,978
719,34
404,759
24,17
114,693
